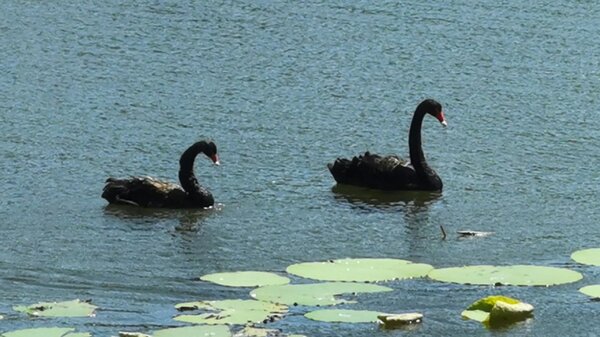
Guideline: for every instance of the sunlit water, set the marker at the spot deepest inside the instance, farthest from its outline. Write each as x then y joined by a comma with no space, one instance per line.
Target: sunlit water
90,89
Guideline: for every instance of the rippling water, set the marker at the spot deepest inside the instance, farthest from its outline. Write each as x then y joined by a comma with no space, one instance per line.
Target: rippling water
90,89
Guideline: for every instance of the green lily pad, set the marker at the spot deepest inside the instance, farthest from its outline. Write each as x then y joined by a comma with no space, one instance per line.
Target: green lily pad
587,256
195,331
360,270
260,332
476,315
520,275
498,311
343,316
593,290
487,303
313,294
231,312
246,279
480,310
132,334
45,332
75,308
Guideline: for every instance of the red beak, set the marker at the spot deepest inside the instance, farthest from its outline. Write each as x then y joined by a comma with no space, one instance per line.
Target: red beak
441,118
215,159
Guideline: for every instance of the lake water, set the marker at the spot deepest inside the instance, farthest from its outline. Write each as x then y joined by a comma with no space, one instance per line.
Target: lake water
91,89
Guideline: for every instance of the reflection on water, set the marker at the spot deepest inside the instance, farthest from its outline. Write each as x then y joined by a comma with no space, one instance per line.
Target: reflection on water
189,219
365,198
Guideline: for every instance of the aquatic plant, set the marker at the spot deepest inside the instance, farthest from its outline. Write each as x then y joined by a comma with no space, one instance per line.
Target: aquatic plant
343,315
246,279
231,312
313,294
498,311
520,275
195,331
45,332
74,308
360,270
587,256
591,290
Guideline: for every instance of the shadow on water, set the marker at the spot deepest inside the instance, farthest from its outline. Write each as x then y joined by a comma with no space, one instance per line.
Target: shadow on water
366,198
189,219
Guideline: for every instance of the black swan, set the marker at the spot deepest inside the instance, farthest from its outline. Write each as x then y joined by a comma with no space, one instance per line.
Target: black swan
391,172
150,192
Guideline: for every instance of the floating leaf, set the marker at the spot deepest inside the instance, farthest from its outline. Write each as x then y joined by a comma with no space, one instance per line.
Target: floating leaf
497,311
393,321
256,332
246,279
593,290
587,256
260,332
132,334
232,312
487,303
506,275
476,315
45,332
195,331
313,294
343,315
360,270
75,308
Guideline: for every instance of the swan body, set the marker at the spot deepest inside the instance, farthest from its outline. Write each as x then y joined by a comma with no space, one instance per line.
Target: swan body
392,172
150,192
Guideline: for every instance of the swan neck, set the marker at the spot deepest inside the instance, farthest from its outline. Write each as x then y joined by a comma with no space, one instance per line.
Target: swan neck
417,158
187,178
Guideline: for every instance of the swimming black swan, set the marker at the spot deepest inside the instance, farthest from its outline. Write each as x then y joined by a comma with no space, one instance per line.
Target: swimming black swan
391,172
150,192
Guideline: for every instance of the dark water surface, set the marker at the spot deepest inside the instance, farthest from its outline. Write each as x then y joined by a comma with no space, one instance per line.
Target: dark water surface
90,89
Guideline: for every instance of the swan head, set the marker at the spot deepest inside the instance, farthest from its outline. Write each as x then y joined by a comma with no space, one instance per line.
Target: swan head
433,108
210,150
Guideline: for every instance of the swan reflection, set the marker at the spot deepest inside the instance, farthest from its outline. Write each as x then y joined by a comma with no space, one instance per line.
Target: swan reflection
189,219
414,201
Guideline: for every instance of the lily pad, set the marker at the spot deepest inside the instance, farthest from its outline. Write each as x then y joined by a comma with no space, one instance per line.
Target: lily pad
487,303
360,270
75,308
498,311
231,312
480,310
260,332
195,331
45,332
593,290
343,315
246,279
587,256
313,294
476,315
521,275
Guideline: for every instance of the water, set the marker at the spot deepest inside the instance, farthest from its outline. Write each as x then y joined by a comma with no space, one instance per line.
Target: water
92,89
